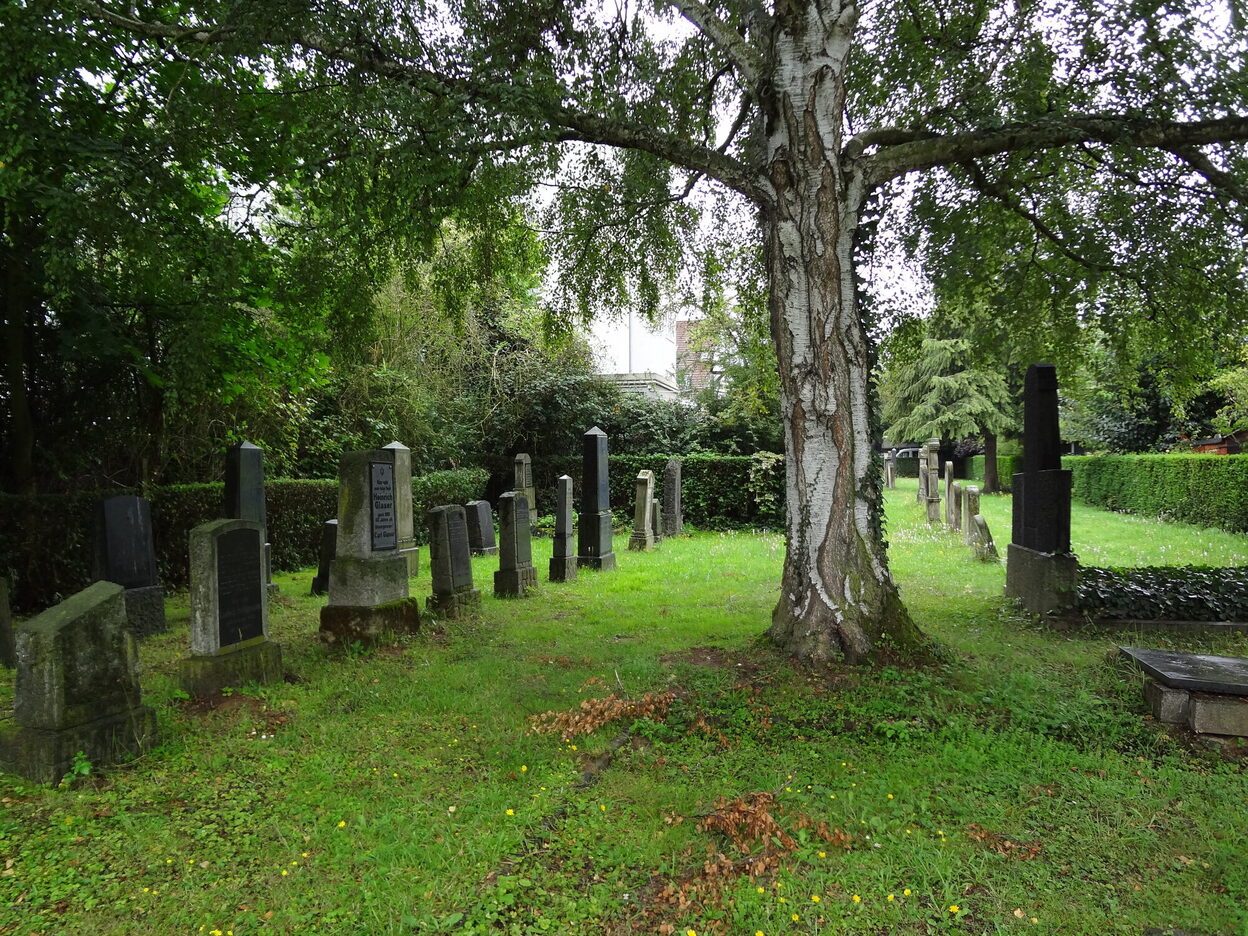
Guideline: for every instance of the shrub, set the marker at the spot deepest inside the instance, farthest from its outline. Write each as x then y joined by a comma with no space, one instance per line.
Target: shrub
1206,490
1167,593
1007,465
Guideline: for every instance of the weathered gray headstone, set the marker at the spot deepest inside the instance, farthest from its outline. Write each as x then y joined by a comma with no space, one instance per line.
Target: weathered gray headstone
673,513
229,610
656,523
77,688
8,652
125,553
244,494
985,548
450,564
933,481
563,558
955,507
480,520
368,589
523,470
325,555
1041,571
404,519
970,507
890,470
516,575
594,547
921,496
643,536
949,494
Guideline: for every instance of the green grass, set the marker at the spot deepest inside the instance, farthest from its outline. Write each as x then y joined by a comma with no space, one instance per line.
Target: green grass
380,782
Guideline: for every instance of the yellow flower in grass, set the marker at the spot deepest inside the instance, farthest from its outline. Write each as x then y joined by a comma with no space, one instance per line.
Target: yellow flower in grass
511,812
796,917
954,908
892,897
342,823
823,854
906,892
857,899
761,890
691,933
814,898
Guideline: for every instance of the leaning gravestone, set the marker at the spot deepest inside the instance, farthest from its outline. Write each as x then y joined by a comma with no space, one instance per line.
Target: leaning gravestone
229,610
77,688
523,469
1040,570
1208,694
480,528
563,558
450,564
125,554
594,547
404,519
8,652
643,534
985,548
368,595
516,575
970,507
325,556
673,513
244,494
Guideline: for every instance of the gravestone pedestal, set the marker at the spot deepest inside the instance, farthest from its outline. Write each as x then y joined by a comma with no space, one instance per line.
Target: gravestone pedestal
77,689
229,610
1207,694
1042,581
368,594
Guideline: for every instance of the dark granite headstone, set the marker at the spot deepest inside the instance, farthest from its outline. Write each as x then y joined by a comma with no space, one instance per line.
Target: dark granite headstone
240,593
384,524
450,564
516,574
76,689
594,545
125,553
480,528
563,558
244,493
1194,671
325,555
673,513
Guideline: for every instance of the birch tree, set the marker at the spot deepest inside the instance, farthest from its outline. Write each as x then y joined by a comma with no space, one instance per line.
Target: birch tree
813,114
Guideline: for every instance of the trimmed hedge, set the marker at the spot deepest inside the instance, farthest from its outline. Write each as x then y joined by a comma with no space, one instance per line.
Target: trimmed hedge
1164,593
906,467
1206,490
1007,466
46,541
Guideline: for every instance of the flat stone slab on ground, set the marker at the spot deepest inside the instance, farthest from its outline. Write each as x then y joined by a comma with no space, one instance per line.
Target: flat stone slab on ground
1195,671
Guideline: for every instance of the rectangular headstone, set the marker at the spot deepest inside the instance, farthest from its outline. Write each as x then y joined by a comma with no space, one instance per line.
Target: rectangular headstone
515,575
244,483
325,555
405,524
229,601
970,507
480,518
125,552
367,515
656,525
450,563
890,470
563,552
522,468
673,512
594,546
643,537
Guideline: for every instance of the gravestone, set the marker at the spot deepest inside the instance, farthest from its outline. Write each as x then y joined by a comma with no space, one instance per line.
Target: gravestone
656,523
933,481
921,496
523,469
516,575
985,548
890,469
325,556
76,688
125,554
1208,694
563,558
450,564
970,507
594,547
403,506
643,535
1040,570
673,513
368,596
229,610
8,652
955,507
949,494
244,494
480,528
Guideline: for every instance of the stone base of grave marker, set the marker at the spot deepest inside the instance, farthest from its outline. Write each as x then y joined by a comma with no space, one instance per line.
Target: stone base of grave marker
641,540
1043,582
145,610
453,607
76,689
1208,694
484,550
344,625
365,582
597,534
514,583
256,661
411,556
563,568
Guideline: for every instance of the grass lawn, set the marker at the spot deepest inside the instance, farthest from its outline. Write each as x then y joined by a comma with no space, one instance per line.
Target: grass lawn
1015,788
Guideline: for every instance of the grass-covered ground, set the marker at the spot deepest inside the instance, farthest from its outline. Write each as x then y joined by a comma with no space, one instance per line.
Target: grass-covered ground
1015,788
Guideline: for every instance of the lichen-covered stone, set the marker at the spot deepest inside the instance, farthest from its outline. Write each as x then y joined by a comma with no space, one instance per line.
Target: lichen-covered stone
257,661
344,625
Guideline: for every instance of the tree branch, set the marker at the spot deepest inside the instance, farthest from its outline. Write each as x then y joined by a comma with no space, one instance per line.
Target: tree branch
1222,181
744,56
1049,133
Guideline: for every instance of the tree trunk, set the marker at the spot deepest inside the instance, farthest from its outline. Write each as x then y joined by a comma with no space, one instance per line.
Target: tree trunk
991,484
837,599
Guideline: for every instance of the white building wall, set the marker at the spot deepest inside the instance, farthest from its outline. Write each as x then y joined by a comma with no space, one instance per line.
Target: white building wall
630,345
